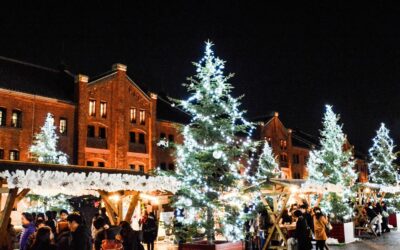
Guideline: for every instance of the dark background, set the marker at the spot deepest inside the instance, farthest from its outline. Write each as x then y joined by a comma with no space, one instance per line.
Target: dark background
290,59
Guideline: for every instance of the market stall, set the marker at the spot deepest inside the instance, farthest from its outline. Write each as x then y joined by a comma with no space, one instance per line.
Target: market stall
17,179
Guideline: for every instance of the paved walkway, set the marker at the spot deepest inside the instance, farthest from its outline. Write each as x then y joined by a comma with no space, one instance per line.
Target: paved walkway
387,241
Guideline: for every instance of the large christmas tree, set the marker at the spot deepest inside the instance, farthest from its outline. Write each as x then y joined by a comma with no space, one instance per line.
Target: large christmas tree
44,147
381,167
331,163
215,148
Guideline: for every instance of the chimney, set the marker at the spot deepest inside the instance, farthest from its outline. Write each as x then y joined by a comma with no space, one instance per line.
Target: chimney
119,67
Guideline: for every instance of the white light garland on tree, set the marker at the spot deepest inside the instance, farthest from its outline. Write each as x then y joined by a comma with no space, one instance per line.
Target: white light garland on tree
331,163
211,157
267,166
44,147
381,166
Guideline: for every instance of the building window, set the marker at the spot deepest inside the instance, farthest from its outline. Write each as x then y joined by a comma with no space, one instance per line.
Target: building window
171,138
296,176
16,119
92,107
142,117
90,163
132,137
102,132
141,168
141,138
171,167
14,155
163,136
283,157
133,115
1,153
296,159
3,115
103,109
283,144
101,164
132,166
163,166
63,126
90,131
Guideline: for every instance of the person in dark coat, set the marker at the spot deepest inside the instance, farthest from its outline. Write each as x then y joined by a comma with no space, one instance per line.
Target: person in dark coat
100,227
373,217
306,214
43,239
302,233
149,228
80,238
50,221
385,219
29,229
130,238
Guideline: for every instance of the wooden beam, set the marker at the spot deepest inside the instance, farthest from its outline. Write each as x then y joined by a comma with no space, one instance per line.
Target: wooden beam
4,190
20,196
111,209
132,206
5,215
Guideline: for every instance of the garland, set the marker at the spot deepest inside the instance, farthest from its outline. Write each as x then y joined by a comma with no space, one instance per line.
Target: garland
56,182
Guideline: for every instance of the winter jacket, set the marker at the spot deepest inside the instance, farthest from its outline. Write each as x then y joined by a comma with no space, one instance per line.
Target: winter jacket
319,228
63,240
303,234
28,231
149,230
80,239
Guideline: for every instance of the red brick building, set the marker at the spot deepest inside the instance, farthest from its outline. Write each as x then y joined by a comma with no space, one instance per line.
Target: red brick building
292,147
109,121
104,121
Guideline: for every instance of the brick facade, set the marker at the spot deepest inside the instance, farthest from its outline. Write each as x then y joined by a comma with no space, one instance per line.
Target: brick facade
113,123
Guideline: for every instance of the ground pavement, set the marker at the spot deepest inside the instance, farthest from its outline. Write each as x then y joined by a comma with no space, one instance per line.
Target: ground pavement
389,241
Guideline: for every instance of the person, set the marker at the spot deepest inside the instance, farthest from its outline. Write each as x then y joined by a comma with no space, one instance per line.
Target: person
80,238
62,224
373,218
307,215
99,235
43,240
320,223
385,218
129,237
40,217
303,232
103,214
149,228
286,218
28,230
110,239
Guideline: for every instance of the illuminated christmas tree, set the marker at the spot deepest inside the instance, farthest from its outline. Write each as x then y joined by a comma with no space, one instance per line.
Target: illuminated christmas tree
331,163
381,167
267,165
210,160
44,147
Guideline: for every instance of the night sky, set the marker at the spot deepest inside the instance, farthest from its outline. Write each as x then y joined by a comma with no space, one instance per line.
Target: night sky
290,59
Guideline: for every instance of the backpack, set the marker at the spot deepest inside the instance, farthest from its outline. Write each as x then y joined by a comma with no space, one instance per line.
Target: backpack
111,245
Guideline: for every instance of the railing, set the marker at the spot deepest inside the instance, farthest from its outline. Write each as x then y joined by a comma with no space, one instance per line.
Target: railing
93,142
137,148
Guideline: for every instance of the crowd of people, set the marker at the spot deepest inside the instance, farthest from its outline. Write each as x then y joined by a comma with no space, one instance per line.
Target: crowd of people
374,215
70,231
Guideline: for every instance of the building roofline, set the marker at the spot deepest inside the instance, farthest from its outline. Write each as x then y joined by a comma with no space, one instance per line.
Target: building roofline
29,64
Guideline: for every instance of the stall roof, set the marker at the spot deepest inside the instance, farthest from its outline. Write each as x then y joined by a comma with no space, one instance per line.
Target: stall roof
51,179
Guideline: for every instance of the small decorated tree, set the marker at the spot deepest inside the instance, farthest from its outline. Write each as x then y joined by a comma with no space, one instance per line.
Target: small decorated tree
267,166
210,159
44,147
381,166
331,163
